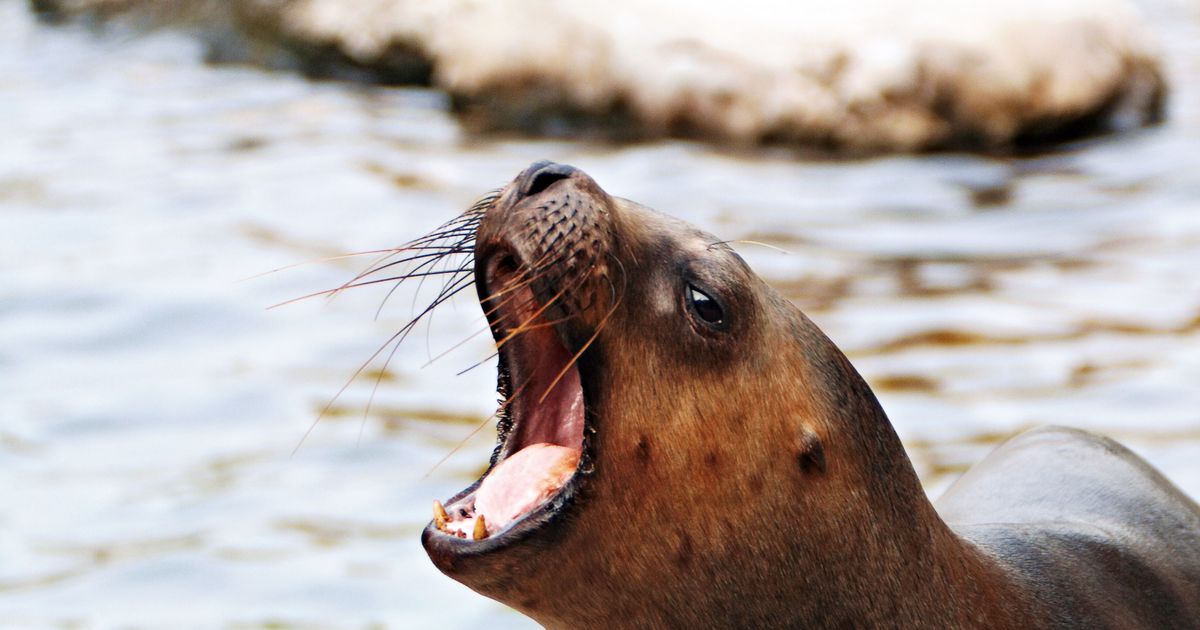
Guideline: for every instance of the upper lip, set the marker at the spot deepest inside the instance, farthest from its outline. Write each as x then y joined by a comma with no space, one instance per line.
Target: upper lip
523,356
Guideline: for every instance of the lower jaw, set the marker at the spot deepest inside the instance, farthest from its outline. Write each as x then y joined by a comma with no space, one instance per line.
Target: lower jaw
541,522
515,488
455,556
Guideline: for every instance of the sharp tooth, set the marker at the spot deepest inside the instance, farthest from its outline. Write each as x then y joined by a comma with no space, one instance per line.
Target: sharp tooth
480,528
439,515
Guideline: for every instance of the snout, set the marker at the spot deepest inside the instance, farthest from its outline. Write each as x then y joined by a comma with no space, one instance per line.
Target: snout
552,228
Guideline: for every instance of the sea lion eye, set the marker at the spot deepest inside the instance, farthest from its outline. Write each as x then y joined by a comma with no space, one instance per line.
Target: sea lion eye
705,307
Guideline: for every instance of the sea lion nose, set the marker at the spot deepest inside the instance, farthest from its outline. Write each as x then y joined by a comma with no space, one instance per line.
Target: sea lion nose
540,176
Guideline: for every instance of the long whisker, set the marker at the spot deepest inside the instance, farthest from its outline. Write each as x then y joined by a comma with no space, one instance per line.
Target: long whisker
454,237
315,261
503,406
396,339
460,278
396,347
466,267
748,242
430,252
433,253
527,324
511,289
524,327
455,346
461,284
595,334
363,284
512,294
416,293
495,307
452,228
467,263
599,327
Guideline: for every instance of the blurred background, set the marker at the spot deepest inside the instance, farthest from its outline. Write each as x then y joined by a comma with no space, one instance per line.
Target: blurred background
154,162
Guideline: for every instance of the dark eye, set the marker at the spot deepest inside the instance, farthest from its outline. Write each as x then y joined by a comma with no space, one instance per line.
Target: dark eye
705,307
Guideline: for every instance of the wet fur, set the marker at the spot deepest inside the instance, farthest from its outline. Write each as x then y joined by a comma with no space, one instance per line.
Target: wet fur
750,478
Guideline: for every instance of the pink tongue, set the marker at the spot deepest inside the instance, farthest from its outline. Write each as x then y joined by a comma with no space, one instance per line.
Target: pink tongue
522,482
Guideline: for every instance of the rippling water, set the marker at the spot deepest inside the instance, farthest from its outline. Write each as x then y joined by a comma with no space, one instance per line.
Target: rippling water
150,403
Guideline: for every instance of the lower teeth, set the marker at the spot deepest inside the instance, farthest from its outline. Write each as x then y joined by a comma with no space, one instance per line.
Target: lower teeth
515,487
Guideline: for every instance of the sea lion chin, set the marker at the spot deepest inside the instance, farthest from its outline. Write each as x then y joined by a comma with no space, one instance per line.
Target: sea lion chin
680,446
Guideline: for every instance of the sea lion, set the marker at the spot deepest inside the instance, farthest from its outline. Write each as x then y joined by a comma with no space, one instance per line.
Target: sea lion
681,447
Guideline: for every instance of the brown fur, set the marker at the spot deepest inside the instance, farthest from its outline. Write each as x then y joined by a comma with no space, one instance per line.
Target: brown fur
749,477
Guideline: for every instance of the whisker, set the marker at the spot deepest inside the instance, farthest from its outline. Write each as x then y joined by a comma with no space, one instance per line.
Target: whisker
432,252
599,327
539,273
342,389
314,261
749,242
467,269
435,253
510,290
495,307
525,327
465,232
478,363
454,237
455,346
395,341
363,284
467,263
503,406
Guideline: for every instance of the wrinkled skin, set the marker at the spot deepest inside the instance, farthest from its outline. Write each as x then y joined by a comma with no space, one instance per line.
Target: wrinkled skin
745,475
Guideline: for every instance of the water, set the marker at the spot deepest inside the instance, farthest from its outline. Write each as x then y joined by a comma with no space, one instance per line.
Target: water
150,403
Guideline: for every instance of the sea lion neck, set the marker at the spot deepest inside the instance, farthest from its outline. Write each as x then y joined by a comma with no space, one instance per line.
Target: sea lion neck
875,553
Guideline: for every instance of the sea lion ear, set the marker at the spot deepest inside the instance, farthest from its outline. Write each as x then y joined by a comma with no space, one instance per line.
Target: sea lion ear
810,454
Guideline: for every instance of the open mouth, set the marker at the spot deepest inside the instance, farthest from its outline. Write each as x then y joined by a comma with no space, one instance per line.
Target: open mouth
541,423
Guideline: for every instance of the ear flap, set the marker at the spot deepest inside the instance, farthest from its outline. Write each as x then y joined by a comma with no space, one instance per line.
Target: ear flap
810,454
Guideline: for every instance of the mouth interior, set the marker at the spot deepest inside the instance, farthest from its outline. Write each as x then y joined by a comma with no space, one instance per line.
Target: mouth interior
540,453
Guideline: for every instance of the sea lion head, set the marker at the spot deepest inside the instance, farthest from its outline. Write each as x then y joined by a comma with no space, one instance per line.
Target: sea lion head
678,442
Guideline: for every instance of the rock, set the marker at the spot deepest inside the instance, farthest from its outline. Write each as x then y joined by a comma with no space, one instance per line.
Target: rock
860,76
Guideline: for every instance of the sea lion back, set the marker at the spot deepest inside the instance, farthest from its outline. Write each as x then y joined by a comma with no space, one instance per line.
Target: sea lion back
1100,538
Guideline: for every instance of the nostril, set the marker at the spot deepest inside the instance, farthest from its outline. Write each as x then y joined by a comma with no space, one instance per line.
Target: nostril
542,181
543,175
